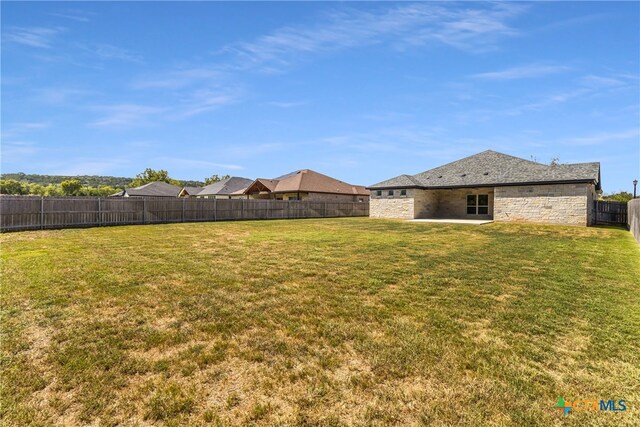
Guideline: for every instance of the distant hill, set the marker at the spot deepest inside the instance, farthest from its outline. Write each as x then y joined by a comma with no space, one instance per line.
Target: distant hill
86,180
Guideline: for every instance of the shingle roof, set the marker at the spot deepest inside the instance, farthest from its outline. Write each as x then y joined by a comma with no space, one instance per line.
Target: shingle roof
154,189
307,180
232,185
192,191
492,168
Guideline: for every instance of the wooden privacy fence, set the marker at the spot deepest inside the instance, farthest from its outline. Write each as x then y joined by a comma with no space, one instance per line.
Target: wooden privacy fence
611,213
32,213
633,218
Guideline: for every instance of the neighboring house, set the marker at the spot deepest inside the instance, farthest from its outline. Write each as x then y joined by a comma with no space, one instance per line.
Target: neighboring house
189,191
306,184
491,185
229,188
152,189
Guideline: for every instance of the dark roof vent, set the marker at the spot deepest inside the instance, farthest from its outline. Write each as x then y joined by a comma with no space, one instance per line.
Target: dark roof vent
486,173
464,174
440,176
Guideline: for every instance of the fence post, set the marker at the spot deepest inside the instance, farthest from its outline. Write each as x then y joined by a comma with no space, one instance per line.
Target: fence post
215,209
144,210
42,213
183,200
99,212
242,216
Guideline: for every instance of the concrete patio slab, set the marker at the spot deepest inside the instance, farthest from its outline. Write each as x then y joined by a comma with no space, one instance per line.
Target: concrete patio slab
455,221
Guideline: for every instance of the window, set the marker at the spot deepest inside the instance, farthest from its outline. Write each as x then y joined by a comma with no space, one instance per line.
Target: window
403,192
391,192
478,204
471,204
379,193
483,204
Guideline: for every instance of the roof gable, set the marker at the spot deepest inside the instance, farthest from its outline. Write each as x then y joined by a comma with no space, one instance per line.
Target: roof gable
155,189
307,181
231,185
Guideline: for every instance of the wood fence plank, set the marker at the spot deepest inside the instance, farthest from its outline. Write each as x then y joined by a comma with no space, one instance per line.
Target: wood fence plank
28,213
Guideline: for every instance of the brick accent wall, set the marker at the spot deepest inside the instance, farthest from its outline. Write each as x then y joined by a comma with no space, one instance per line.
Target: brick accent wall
554,204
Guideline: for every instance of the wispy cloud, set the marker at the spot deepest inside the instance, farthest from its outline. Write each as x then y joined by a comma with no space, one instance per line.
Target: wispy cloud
468,28
194,163
13,149
60,95
41,37
523,72
204,100
89,166
604,138
125,115
178,79
601,82
475,30
291,104
248,150
17,129
74,15
107,51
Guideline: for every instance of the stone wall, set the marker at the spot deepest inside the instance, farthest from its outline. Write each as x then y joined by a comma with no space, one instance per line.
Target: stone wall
592,196
553,204
633,218
395,206
426,204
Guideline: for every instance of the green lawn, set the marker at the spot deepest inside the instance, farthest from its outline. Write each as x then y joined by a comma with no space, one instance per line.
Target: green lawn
348,321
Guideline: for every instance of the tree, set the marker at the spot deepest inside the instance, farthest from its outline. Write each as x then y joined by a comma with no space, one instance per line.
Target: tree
555,161
102,191
215,178
71,187
621,196
151,175
11,186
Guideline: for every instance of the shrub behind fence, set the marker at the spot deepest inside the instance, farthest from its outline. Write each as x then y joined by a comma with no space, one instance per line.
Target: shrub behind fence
33,213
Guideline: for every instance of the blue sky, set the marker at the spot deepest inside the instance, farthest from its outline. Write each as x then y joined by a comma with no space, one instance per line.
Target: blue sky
359,91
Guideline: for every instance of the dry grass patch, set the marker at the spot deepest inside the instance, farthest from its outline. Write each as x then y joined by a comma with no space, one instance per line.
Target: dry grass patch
318,322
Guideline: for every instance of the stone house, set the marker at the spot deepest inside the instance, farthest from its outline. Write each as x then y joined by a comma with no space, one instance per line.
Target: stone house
306,184
492,186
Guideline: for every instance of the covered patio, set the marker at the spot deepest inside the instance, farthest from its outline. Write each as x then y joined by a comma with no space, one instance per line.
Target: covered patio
456,203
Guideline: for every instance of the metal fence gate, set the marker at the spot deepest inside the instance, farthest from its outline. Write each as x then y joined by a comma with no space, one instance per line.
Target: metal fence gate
611,213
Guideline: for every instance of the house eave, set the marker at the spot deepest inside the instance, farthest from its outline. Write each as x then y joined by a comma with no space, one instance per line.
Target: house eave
510,184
